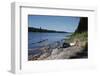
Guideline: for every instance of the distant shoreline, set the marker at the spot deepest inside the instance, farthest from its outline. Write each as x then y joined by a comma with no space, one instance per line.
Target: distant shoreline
32,29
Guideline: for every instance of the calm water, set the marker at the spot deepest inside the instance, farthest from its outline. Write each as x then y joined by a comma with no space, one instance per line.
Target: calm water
36,40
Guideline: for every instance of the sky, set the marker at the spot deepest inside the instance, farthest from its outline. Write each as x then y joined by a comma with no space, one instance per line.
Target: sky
58,23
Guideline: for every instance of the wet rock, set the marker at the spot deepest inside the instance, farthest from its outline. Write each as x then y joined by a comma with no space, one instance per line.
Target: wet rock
66,45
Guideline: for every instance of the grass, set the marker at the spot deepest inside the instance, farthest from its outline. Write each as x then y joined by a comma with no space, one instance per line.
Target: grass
82,37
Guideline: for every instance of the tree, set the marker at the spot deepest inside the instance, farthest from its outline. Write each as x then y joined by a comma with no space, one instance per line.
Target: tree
83,25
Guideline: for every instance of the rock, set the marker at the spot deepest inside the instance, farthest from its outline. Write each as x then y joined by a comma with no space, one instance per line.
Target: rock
64,53
56,51
66,45
42,57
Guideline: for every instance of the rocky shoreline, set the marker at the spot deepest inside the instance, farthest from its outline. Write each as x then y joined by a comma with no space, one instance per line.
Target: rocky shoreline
56,51
74,47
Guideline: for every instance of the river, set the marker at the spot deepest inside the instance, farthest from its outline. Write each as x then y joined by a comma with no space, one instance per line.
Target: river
37,40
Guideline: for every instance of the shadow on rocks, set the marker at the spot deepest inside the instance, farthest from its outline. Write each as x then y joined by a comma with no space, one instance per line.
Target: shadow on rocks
83,54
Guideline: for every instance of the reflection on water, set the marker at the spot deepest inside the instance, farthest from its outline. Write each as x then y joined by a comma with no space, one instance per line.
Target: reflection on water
36,40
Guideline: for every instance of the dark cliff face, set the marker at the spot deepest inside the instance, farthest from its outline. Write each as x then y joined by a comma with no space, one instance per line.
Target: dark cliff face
83,25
